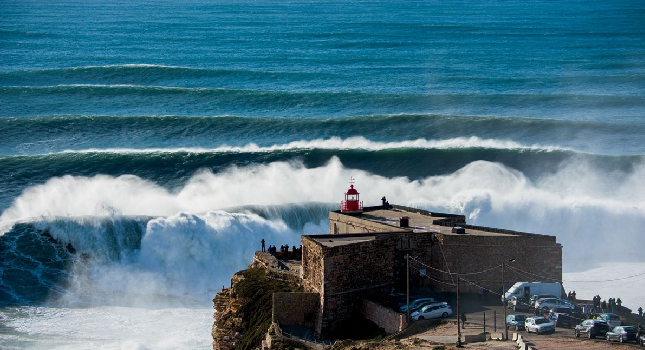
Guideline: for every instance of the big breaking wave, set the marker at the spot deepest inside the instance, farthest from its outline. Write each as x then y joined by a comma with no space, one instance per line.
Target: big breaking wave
183,246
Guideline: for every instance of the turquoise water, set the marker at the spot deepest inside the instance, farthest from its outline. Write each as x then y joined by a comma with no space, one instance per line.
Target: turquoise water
125,125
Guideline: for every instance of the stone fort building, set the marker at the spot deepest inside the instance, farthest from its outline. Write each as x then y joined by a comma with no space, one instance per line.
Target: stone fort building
364,257
363,260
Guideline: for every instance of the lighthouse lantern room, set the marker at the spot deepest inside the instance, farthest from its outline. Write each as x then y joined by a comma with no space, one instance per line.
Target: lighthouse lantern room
352,203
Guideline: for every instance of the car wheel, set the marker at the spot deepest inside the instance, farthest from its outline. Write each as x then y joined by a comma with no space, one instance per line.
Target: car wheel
444,315
577,334
620,339
607,337
590,335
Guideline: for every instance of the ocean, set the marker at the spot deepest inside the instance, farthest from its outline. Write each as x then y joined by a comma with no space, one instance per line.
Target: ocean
146,147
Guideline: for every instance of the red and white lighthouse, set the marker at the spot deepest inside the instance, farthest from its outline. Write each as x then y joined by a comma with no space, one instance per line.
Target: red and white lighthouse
352,203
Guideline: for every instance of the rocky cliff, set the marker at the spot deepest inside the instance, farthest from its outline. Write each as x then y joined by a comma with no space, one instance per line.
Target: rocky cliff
243,312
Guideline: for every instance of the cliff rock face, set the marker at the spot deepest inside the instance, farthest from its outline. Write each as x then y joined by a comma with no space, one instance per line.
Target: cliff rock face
226,324
243,312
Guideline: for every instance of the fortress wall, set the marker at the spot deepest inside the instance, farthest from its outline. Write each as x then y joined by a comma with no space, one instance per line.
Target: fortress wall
540,259
341,224
296,309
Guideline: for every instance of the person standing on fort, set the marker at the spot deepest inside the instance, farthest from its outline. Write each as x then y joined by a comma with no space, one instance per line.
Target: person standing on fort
463,320
263,244
619,302
573,295
640,311
603,305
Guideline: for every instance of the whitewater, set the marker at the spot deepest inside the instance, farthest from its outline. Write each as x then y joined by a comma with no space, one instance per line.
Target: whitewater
147,148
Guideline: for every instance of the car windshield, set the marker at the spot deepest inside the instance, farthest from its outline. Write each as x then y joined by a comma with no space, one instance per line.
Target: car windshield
541,320
520,317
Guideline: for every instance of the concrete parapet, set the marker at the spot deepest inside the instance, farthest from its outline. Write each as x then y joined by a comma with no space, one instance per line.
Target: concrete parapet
385,318
497,336
473,338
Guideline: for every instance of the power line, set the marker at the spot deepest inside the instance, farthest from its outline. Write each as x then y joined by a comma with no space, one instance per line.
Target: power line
610,280
455,273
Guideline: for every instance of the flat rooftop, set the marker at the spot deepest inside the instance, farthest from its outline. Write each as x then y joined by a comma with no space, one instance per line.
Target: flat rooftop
339,240
418,222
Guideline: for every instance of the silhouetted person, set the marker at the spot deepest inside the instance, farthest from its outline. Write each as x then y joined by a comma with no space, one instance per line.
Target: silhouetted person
463,320
640,311
386,204
619,302
263,244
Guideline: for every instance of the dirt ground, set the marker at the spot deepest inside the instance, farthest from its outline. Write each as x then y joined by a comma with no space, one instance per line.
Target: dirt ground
445,336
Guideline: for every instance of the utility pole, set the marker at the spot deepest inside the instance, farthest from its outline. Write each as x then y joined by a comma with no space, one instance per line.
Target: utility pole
407,288
504,301
504,297
458,316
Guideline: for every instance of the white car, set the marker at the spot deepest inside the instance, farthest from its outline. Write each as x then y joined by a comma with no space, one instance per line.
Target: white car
538,325
435,310
550,303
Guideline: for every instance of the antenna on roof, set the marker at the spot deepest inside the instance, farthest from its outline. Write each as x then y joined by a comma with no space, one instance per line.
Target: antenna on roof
351,180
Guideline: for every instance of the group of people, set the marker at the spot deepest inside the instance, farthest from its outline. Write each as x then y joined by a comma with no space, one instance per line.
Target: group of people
571,296
606,305
295,253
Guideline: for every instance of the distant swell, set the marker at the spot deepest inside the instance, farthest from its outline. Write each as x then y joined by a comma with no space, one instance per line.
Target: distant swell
134,98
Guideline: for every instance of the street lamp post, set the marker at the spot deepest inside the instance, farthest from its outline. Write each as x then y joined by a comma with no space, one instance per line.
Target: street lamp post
504,297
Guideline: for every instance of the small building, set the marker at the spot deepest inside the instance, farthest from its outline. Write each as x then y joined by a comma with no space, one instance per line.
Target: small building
364,256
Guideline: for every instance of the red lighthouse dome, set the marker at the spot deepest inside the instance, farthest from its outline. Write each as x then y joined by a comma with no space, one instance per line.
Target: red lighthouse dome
352,203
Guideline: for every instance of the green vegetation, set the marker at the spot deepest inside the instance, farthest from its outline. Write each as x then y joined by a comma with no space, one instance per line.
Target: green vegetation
256,290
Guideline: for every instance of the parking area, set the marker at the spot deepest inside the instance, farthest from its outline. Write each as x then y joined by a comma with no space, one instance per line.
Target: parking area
488,315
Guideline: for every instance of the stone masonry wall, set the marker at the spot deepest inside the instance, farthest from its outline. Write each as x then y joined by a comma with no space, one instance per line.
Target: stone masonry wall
342,224
296,309
312,276
353,272
385,318
538,257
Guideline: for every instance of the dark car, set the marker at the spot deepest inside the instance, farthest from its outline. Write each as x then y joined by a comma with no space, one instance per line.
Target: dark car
515,321
518,303
561,317
592,328
622,334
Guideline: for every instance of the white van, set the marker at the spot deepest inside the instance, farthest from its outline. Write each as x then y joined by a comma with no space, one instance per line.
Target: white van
527,289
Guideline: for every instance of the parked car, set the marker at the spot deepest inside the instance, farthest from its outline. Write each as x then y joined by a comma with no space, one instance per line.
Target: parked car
592,328
549,303
612,320
435,310
539,325
515,321
518,303
622,334
641,340
535,297
561,317
417,303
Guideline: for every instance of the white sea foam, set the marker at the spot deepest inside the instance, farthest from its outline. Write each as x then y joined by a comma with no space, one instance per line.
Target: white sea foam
337,143
107,328
596,216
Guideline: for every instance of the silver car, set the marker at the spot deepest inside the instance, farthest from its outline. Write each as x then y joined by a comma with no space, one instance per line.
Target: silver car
435,310
550,303
539,325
